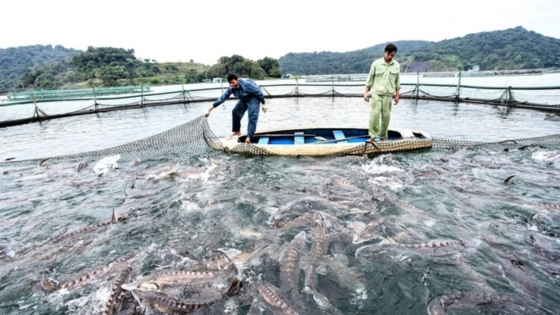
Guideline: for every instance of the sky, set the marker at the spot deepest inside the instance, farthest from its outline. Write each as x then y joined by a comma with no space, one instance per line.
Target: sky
204,31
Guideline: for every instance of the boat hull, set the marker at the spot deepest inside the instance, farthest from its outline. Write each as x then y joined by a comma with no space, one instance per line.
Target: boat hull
322,141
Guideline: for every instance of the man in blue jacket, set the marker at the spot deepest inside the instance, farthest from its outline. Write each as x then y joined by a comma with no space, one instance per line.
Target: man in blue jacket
250,97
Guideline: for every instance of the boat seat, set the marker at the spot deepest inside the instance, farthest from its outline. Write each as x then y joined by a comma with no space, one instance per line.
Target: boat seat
263,140
338,134
299,138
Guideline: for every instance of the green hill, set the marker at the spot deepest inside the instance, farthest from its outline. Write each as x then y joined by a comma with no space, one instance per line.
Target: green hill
325,62
15,61
510,49
110,66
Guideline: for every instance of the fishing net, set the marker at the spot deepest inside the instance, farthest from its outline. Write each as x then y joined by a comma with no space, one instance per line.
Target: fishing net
195,139
16,112
551,141
191,139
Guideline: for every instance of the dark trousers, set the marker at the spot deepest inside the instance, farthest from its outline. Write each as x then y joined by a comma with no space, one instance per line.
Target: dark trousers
253,106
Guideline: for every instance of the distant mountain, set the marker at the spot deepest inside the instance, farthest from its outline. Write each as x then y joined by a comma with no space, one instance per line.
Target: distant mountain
357,61
510,49
15,61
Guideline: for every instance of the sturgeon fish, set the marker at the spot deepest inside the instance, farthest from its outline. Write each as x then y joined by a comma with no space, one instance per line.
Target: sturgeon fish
112,304
344,183
368,232
106,164
548,206
190,172
441,248
48,286
290,265
114,219
170,278
161,302
74,234
318,249
488,302
285,223
275,217
272,298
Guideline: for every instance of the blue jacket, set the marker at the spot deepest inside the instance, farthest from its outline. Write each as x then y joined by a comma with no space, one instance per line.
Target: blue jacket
246,89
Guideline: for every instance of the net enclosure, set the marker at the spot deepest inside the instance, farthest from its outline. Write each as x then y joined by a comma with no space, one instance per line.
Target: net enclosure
195,139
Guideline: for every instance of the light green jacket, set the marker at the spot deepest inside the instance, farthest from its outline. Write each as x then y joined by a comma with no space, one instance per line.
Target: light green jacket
384,78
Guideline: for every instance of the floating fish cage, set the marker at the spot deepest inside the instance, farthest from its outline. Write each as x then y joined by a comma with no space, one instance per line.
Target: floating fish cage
64,94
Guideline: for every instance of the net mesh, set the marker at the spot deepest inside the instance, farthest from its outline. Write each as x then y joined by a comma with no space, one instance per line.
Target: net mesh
542,98
195,139
188,140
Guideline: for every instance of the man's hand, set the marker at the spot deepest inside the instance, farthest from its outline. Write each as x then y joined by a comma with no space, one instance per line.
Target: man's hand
207,113
367,96
264,108
397,98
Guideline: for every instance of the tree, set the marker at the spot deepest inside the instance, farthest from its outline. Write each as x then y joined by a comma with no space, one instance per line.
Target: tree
275,73
268,64
191,76
217,71
201,76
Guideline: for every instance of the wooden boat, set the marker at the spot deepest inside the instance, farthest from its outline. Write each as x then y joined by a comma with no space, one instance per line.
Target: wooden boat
317,141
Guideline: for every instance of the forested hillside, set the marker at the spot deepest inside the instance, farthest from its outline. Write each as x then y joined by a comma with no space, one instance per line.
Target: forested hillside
110,66
325,62
105,64
15,61
510,49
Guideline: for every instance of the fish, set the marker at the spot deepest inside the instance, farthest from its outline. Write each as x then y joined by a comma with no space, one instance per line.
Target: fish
274,217
72,235
136,163
214,269
190,172
106,164
112,304
488,302
368,232
344,183
552,116
319,167
513,268
245,257
346,277
440,248
166,173
130,306
161,302
218,262
114,219
548,206
49,286
291,222
81,166
170,278
322,302
272,298
234,286
290,265
318,249
508,180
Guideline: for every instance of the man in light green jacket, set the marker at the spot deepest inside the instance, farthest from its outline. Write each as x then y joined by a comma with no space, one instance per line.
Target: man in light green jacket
383,82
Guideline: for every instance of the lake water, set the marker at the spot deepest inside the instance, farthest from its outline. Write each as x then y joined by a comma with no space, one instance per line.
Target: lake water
508,233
